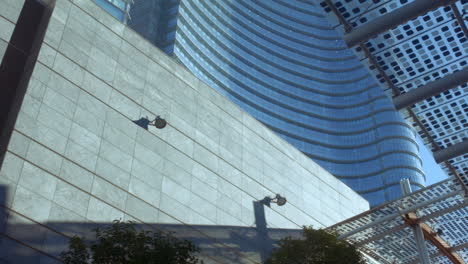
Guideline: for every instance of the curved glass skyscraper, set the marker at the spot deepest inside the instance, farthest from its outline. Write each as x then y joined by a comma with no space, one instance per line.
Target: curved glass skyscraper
282,62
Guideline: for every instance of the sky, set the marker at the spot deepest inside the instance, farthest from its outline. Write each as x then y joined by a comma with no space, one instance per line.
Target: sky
432,170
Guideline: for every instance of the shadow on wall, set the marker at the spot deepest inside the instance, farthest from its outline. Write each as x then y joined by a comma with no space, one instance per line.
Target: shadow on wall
25,241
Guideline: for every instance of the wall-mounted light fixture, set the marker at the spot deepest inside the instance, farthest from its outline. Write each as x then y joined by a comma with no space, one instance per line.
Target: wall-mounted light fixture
144,122
278,199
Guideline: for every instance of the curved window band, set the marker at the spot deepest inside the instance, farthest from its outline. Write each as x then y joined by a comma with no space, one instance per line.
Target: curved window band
328,145
273,114
245,49
276,43
373,158
245,37
255,55
263,83
379,172
295,7
288,26
296,86
296,110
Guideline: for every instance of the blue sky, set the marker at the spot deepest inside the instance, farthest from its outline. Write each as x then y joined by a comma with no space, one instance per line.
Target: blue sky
432,170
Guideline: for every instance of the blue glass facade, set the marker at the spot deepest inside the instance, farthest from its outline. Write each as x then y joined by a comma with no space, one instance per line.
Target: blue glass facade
117,8
284,64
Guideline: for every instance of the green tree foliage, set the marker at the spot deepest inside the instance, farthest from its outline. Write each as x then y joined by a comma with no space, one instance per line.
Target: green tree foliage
121,243
316,247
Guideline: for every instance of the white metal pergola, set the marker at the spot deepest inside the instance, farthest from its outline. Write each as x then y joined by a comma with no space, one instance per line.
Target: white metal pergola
388,232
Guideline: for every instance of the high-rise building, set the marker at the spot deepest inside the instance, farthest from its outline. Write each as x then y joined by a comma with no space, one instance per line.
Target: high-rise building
283,63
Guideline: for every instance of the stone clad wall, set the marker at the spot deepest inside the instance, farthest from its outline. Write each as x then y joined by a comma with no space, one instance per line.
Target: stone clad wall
76,156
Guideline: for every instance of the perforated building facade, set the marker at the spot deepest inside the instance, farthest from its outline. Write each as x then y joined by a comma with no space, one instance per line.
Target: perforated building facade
413,54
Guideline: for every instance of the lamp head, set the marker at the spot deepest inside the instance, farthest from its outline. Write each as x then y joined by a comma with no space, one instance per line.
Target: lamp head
159,122
280,200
